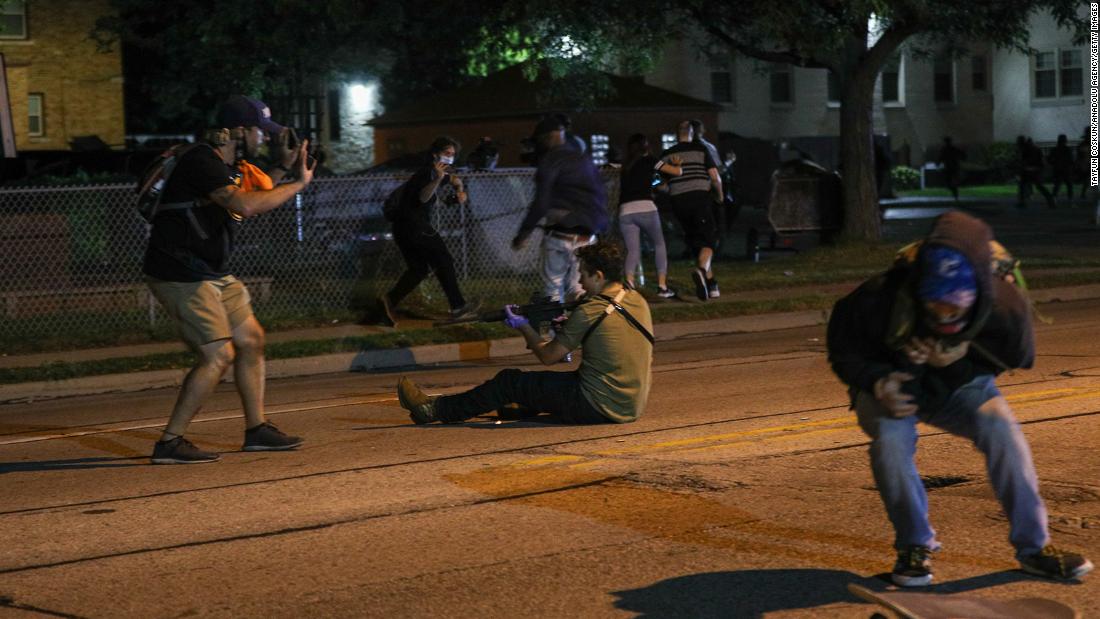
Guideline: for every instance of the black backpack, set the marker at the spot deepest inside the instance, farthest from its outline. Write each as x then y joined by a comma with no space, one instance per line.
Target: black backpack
150,188
391,208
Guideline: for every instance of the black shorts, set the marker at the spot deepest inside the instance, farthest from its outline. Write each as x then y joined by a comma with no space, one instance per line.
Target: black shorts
696,216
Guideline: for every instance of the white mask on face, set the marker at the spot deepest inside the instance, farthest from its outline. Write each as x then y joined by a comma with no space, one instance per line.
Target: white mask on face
447,159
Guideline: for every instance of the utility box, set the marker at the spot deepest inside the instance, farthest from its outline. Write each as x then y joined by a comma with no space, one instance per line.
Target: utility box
805,198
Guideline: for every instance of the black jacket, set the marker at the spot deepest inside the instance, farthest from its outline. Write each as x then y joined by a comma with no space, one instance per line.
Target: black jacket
869,327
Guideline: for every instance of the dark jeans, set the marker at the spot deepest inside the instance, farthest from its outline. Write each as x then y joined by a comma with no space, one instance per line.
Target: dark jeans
557,393
424,252
1029,180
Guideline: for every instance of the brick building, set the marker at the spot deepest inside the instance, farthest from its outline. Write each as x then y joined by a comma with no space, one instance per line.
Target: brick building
60,86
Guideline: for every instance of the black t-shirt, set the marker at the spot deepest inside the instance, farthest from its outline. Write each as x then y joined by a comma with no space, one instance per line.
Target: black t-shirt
637,180
413,212
177,252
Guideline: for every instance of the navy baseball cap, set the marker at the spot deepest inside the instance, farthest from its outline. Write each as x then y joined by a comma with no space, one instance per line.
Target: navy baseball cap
947,277
242,111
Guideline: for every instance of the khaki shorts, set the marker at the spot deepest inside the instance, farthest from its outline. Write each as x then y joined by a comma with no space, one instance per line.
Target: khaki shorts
205,311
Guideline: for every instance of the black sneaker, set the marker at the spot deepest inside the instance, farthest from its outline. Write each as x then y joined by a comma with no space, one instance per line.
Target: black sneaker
700,277
420,405
666,293
1054,563
181,451
266,437
467,311
913,568
712,289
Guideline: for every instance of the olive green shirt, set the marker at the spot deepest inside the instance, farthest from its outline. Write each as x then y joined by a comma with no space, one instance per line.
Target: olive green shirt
615,367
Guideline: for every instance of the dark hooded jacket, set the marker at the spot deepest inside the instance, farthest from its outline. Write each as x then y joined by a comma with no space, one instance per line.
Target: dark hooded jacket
869,327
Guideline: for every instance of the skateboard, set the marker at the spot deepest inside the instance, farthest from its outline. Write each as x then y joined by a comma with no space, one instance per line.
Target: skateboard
912,605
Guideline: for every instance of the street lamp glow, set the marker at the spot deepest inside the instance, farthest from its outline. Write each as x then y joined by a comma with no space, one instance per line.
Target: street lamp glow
362,96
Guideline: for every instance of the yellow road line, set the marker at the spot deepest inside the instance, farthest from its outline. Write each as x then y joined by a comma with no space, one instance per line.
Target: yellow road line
721,437
160,424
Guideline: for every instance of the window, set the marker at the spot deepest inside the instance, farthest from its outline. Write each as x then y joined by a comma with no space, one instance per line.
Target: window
782,88
36,124
721,87
1071,73
891,80
599,145
977,73
13,19
943,79
1046,76
668,140
1059,73
832,88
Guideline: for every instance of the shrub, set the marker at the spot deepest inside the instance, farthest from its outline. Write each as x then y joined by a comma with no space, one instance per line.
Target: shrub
905,177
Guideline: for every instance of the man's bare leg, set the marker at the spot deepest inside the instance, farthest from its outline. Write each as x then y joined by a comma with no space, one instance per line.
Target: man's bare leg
249,370
214,359
706,254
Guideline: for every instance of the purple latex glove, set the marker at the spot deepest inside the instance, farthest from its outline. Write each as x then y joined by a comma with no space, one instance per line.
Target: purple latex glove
512,319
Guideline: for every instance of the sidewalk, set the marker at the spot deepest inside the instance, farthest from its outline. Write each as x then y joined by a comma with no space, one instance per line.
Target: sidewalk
1020,225
373,360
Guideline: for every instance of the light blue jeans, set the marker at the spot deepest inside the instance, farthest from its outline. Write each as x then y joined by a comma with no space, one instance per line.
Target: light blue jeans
561,274
975,411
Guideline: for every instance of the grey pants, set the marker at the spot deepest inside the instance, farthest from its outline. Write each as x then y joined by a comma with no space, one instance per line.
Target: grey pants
632,226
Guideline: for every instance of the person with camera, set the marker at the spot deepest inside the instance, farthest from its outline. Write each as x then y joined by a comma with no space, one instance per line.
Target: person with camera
186,267
615,329
420,243
924,341
571,204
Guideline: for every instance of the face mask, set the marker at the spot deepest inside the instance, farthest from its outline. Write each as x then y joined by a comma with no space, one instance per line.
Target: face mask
447,159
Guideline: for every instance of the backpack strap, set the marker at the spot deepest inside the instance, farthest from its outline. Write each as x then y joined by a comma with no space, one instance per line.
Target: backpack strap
613,305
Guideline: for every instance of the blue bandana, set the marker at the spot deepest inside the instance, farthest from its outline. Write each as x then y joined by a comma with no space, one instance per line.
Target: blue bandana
947,277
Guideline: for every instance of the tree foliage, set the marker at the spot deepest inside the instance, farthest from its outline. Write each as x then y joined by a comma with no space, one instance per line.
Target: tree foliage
184,57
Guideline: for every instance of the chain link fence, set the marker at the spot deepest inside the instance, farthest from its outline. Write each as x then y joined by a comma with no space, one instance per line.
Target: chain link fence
70,257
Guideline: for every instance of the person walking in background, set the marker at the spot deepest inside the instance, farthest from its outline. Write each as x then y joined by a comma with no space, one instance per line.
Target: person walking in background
692,194
950,159
1083,158
1030,162
638,212
1061,167
698,130
186,267
571,204
420,243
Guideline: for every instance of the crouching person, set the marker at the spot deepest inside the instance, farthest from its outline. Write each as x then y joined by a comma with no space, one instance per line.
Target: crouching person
614,327
924,342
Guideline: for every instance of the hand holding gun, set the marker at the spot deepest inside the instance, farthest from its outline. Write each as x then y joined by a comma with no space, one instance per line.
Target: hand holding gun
534,314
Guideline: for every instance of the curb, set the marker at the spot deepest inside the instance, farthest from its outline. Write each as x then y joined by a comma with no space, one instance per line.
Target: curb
479,350
373,360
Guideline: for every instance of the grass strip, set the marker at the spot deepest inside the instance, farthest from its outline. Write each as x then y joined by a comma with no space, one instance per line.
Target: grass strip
671,312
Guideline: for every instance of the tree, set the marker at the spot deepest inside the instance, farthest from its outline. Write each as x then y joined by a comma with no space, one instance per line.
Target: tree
851,38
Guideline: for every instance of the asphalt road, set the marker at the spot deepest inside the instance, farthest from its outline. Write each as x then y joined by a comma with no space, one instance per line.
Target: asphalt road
744,491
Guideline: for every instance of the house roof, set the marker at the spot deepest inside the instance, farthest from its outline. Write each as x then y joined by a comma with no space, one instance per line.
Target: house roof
508,93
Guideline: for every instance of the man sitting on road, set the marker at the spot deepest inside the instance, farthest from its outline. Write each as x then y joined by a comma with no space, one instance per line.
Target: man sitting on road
611,385
923,342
